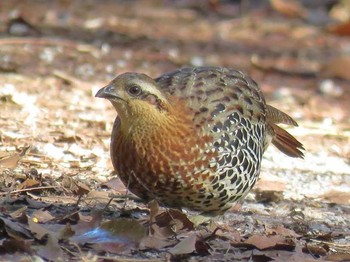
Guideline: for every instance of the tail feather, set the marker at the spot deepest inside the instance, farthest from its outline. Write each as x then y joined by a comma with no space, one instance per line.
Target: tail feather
278,117
286,143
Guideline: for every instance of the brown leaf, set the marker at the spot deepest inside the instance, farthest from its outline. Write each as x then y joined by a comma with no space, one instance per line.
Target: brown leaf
154,242
175,219
289,8
68,139
38,230
270,185
342,29
337,197
41,216
337,67
338,257
13,246
52,250
166,224
315,249
12,160
77,187
117,185
281,230
287,65
28,183
186,246
269,191
266,242
100,197
202,248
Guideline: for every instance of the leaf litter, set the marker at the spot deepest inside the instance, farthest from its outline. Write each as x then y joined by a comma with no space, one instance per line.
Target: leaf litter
59,198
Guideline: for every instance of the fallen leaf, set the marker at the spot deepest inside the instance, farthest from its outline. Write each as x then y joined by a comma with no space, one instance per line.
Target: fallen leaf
14,229
186,246
175,219
154,242
265,242
117,185
315,249
337,67
13,246
289,8
342,29
338,257
12,160
337,197
19,212
28,183
77,187
51,250
281,230
270,185
42,216
287,65
38,230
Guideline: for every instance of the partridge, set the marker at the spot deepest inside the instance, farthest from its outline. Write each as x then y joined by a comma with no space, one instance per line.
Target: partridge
194,137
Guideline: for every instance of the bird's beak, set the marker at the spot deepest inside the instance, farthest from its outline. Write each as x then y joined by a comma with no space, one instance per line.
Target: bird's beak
108,92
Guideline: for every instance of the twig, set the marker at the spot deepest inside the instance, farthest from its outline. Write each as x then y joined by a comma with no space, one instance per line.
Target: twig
27,189
48,42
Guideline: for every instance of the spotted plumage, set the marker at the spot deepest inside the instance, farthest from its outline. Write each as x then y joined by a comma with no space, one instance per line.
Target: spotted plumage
194,137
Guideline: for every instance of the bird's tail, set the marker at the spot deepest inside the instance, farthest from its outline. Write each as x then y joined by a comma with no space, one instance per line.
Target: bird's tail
281,139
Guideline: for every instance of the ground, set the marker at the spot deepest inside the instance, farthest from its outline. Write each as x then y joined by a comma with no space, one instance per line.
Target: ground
56,178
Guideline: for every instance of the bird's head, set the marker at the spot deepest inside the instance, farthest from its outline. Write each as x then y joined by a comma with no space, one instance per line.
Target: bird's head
137,98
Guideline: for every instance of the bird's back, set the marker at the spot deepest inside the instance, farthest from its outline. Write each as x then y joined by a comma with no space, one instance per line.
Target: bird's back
230,106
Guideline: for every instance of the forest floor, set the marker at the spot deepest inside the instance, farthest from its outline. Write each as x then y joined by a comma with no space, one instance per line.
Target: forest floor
60,199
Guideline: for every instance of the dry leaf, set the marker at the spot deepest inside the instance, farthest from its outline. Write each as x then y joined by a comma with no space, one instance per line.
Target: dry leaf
38,230
281,230
125,227
289,8
52,250
315,249
186,246
270,185
342,29
338,257
14,229
8,246
175,219
12,161
19,212
28,183
337,197
42,216
287,65
266,242
154,242
338,67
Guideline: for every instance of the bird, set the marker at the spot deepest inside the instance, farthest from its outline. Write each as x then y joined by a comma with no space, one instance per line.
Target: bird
194,137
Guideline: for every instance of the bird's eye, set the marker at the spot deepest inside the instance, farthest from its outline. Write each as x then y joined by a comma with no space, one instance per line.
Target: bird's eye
134,90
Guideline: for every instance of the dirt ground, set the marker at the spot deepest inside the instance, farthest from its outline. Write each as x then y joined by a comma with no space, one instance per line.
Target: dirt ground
56,178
